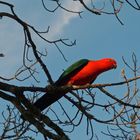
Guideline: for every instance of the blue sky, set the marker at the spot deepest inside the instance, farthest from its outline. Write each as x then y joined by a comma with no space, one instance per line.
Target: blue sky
96,37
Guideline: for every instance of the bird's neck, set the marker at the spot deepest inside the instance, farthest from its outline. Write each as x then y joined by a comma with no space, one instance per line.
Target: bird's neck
100,67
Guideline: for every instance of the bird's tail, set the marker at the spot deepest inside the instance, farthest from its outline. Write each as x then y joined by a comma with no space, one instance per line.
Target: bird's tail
48,99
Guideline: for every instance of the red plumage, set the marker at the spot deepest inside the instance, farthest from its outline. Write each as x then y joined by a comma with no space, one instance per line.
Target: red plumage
88,73
80,73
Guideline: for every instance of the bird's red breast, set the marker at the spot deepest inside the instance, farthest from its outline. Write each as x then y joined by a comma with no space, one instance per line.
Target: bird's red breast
89,72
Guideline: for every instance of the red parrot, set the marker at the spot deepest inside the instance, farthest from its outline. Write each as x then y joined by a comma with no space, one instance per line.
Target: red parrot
81,72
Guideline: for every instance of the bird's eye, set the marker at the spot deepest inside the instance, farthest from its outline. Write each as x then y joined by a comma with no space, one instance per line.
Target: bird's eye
110,60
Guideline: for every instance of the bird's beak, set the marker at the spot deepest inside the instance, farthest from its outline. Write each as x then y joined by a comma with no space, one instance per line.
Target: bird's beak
115,66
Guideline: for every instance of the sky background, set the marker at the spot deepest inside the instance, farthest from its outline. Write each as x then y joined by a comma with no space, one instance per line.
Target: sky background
96,37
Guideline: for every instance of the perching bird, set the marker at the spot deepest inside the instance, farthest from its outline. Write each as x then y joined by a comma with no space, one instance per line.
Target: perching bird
81,72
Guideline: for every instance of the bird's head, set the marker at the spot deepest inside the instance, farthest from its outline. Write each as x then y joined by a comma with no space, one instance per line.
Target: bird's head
109,63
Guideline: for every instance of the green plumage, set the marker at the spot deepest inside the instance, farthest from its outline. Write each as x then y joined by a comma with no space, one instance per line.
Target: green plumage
70,71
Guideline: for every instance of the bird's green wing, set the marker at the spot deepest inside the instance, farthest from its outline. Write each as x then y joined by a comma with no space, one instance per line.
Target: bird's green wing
70,71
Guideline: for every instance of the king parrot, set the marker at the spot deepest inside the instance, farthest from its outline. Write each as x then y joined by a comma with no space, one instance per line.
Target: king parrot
81,72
